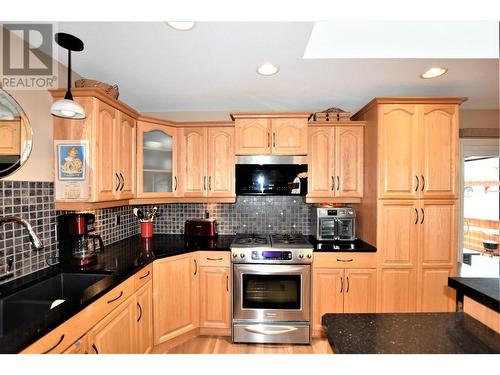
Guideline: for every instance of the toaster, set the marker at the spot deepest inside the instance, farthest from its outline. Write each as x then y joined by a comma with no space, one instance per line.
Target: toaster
200,227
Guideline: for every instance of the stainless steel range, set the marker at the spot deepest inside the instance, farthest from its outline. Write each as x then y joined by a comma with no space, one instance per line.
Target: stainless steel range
271,289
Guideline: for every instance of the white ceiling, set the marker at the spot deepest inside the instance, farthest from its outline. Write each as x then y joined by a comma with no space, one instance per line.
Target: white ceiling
212,68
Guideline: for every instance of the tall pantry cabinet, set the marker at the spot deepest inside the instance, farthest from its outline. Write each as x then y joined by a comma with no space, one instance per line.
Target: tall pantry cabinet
411,183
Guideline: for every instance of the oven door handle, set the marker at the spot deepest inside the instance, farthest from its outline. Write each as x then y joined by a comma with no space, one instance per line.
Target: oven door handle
263,329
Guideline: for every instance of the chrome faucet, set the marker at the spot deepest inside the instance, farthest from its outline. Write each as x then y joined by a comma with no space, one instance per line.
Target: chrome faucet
35,240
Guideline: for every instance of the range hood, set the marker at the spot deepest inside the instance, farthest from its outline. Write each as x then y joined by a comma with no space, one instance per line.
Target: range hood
271,175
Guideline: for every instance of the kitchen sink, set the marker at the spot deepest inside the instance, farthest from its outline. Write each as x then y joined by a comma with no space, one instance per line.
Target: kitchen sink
33,302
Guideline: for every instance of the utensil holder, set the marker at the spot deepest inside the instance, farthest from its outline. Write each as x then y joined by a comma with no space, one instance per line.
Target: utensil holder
147,229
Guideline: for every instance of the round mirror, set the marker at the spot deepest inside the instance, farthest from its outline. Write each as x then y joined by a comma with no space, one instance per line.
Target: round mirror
16,137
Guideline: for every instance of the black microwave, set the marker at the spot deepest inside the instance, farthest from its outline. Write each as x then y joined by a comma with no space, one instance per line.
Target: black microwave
271,179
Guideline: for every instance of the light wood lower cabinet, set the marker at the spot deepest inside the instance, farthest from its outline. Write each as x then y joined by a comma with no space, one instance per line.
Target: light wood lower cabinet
215,297
396,290
434,294
342,290
80,346
175,296
144,321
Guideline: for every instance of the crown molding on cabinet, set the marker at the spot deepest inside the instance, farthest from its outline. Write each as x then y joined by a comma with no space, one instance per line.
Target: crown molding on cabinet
269,115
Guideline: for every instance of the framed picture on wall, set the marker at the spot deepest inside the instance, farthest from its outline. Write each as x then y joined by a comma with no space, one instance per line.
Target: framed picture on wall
71,160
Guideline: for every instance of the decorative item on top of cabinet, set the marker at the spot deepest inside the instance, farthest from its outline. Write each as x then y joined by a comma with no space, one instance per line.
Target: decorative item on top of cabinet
110,130
208,162
335,162
157,160
271,133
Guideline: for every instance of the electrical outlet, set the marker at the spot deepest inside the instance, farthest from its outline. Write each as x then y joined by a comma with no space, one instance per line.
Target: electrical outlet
117,220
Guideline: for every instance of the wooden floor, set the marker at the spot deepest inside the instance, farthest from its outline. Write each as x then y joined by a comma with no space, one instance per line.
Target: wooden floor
223,345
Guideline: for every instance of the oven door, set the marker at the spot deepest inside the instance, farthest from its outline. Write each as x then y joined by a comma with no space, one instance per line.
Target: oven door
327,229
270,292
345,231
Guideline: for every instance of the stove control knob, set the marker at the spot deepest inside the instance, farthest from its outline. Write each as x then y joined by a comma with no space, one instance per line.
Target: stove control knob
235,255
242,255
300,256
309,256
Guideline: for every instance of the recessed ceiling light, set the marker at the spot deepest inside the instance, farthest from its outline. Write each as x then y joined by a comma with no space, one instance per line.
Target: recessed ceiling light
267,69
181,25
433,72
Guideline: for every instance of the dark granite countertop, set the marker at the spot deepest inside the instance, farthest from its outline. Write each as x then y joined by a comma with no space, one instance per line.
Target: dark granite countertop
485,290
356,246
409,333
118,262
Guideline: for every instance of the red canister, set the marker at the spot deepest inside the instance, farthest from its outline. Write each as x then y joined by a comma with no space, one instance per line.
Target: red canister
147,229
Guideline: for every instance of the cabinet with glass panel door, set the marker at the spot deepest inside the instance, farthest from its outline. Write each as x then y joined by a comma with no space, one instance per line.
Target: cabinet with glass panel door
156,160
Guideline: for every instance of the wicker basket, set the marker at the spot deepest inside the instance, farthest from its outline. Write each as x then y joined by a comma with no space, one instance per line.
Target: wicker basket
111,90
331,114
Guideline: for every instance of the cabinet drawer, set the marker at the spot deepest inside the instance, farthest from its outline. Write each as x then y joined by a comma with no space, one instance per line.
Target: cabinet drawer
143,276
345,260
214,258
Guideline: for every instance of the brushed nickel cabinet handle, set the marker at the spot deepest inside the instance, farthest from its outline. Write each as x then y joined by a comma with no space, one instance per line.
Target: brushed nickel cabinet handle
341,284
55,346
95,349
146,275
344,260
418,182
214,258
423,216
117,298
140,312
338,183
416,220
195,267
423,183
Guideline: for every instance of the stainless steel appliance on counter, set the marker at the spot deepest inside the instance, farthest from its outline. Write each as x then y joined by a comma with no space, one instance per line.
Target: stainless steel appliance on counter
271,289
334,223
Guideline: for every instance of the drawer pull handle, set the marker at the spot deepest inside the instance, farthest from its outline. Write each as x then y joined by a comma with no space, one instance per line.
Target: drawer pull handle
146,275
214,258
114,299
140,312
95,349
344,260
55,346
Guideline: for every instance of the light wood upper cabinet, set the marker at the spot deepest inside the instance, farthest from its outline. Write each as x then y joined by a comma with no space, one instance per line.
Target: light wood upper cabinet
157,160
144,320
253,136
265,134
10,137
126,155
398,158
327,294
221,162
335,162
439,155
175,296
360,290
348,161
289,136
215,297
208,162
115,334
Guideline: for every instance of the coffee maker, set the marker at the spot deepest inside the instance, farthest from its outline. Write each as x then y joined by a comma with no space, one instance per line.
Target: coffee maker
77,240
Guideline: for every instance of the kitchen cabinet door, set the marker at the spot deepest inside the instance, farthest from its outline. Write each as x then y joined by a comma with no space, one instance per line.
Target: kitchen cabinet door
125,156
398,158
144,320
215,297
10,137
289,136
221,163
439,150
327,289
320,163
115,334
396,291
360,290
348,168
157,161
434,294
108,180
252,136
175,296
194,162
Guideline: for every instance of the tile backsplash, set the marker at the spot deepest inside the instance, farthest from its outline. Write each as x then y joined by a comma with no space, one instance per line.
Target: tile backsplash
34,202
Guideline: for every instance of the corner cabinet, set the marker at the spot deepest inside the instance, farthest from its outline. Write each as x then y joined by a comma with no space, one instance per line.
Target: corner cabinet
335,162
157,160
270,134
208,162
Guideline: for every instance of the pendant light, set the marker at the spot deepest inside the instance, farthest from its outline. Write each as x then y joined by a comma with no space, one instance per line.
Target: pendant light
67,107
